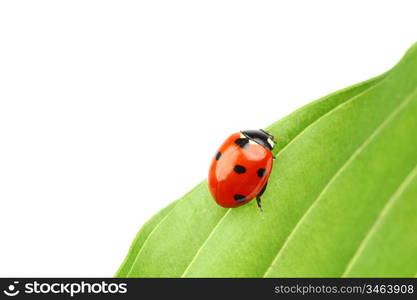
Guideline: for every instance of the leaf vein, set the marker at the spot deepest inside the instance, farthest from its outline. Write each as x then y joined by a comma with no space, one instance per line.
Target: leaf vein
155,228
205,242
146,240
398,192
367,141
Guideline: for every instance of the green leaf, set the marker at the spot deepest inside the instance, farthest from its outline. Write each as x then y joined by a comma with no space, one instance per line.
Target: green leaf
141,237
341,200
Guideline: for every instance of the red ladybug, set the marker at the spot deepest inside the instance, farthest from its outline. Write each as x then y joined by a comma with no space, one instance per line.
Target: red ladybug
240,170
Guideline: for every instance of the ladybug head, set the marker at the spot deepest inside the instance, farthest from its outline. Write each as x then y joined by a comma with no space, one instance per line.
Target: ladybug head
261,137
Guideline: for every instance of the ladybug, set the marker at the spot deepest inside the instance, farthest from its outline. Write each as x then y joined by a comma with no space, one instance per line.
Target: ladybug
241,167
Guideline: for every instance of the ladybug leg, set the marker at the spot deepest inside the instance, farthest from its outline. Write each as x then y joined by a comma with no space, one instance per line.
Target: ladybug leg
258,202
258,197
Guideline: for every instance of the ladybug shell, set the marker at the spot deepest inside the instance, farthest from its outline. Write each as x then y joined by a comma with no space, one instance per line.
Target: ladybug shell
239,171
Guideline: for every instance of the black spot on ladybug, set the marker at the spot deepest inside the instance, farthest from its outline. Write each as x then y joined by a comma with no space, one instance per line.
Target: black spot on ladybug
218,155
239,169
261,172
239,198
242,142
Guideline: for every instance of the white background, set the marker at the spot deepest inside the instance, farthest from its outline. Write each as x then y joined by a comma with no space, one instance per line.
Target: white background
110,110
